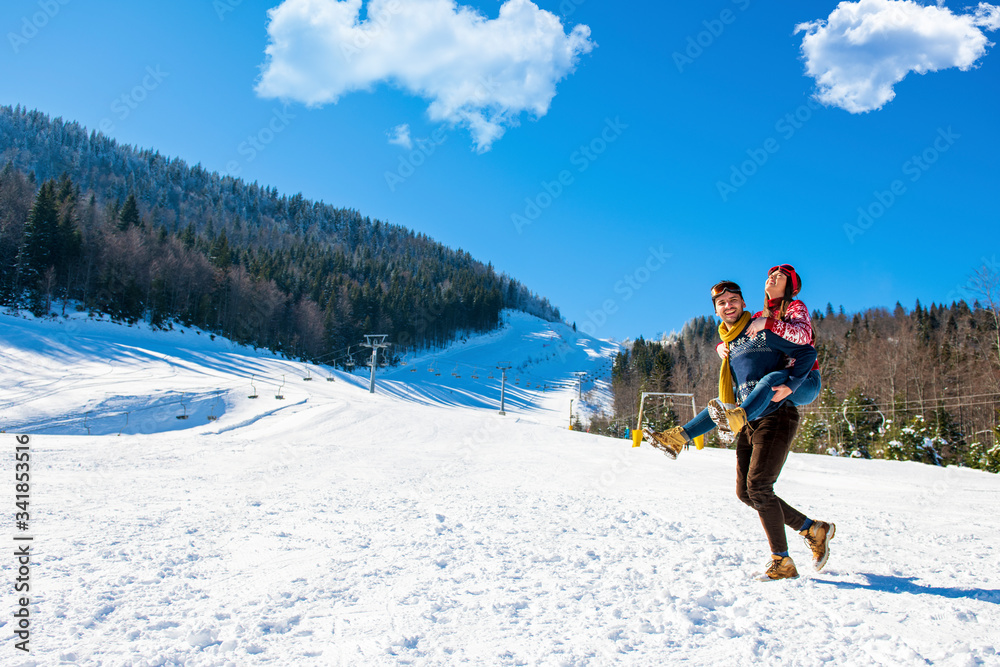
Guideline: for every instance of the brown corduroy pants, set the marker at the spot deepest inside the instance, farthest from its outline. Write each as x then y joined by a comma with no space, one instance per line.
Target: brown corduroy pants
761,449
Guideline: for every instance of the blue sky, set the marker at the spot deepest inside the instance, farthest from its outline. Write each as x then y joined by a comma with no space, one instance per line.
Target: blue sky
646,151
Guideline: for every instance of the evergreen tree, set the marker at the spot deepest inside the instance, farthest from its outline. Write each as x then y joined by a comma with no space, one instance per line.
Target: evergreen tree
811,436
913,441
70,241
39,243
948,437
129,215
189,236
219,254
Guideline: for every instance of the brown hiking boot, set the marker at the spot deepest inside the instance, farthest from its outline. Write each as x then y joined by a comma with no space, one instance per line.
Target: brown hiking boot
670,442
818,538
737,419
781,567
719,412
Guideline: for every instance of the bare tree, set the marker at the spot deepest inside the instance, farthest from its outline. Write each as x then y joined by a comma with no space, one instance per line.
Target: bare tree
985,282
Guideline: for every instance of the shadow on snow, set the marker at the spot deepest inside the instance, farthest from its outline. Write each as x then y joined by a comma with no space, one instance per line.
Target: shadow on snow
890,584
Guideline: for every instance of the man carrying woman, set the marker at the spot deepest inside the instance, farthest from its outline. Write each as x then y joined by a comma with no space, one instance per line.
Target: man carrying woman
755,352
789,318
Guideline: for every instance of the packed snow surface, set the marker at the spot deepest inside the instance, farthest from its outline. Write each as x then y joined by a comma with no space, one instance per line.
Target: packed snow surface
417,526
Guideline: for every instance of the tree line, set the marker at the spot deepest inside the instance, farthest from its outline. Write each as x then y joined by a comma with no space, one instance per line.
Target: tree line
914,385
127,232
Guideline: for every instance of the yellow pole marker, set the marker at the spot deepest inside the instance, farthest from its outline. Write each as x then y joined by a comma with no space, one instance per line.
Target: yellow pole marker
637,433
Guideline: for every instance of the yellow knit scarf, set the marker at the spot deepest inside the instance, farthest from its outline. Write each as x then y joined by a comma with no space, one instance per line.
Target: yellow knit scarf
728,335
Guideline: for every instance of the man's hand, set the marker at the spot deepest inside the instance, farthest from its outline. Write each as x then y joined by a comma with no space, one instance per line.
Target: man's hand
756,326
781,392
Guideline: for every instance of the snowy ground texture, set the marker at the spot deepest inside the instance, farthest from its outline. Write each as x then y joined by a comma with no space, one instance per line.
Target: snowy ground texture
419,527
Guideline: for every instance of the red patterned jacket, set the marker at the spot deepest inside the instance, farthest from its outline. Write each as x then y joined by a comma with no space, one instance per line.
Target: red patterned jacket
795,328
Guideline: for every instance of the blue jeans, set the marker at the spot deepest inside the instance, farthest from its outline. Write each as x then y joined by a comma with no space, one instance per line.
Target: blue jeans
758,403
700,425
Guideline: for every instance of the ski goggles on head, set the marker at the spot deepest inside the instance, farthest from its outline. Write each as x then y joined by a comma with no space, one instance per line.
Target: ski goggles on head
725,286
789,271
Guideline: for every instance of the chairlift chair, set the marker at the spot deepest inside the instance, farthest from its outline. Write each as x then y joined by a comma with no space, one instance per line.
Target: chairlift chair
211,414
185,414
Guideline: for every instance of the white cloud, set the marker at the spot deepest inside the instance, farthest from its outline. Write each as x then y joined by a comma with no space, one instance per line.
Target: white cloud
988,16
400,136
477,72
864,48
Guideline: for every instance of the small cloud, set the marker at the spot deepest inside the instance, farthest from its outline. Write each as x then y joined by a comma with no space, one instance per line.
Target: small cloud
475,72
987,16
400,136
864,48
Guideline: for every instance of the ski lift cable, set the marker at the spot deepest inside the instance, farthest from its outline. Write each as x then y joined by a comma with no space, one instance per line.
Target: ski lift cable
869,408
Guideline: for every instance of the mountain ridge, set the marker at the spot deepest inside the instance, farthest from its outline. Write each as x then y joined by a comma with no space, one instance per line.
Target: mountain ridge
361,275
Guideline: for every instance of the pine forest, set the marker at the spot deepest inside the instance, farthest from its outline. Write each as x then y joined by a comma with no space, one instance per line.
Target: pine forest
129,233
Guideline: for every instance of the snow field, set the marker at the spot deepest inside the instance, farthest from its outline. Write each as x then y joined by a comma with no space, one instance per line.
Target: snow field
341,528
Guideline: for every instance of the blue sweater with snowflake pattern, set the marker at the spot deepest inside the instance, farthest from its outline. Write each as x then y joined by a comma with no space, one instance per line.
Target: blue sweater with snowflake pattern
751,358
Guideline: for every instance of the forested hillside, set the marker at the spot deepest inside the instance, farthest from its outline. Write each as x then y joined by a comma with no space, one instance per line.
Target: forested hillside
134,234
918,385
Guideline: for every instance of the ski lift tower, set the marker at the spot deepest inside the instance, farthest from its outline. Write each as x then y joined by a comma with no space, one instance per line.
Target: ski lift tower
503,367
375,342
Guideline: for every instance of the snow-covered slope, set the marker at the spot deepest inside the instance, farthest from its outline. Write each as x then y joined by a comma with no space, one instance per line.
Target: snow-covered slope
550,365
77,376
417,526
